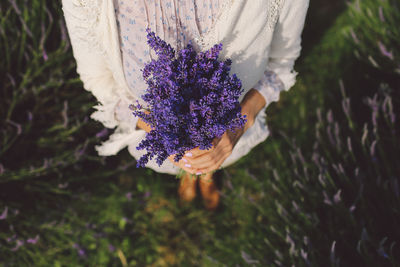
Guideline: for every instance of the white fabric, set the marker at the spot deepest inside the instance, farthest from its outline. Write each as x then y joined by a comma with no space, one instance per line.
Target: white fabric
176,22
258,35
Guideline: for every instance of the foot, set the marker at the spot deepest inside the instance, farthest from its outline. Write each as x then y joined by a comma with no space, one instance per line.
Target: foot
209,191
187,188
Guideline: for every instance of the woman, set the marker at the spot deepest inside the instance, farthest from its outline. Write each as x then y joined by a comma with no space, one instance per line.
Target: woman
108,37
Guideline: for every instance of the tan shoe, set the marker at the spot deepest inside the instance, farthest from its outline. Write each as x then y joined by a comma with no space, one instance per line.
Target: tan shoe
187,188
209,191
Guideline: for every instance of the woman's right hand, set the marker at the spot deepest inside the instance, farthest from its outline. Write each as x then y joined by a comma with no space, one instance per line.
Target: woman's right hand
142,125
181,164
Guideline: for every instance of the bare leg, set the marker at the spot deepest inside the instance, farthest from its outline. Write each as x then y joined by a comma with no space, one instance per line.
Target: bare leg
209,191
187,187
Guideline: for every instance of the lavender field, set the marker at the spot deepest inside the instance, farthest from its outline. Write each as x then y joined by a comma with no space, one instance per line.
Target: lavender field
322,190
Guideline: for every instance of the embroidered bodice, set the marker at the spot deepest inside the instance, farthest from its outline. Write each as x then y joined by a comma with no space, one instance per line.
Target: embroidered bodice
177,22
262,37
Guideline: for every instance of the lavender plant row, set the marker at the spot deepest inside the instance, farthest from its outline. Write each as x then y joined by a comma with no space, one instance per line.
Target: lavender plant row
350,181
375,33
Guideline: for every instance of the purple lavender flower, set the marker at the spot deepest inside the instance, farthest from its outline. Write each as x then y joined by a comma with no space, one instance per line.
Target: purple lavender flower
354,36
62,186
381,16
18,245
102,133
30,116
4,213
191,99
384,51
349,144
129,195
81,251
337,198
147,194
11,238
45,57
247,258
111,248
372,148
33,240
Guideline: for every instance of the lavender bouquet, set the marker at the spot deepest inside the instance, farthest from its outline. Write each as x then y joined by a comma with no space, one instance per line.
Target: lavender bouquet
191,99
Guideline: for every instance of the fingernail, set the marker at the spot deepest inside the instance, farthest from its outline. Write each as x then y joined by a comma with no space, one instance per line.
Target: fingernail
184,160
188,165
188,154
198,173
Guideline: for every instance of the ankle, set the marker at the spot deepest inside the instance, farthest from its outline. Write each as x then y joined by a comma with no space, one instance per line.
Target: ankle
207,178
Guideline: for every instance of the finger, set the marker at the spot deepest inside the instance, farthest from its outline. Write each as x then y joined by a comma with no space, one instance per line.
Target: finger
208,169
181,164
195,152
213,167
223,148
208,159
189,170
176,163
216,165
216,141
187,165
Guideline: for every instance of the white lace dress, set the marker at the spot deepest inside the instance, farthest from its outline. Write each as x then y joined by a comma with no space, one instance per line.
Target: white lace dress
262,37
176,22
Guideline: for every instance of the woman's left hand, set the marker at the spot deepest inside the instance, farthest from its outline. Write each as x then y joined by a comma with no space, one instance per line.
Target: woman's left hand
198,161
203,161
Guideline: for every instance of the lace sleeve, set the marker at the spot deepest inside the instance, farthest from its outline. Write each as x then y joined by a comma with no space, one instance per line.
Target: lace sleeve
285,47
81,17
270,86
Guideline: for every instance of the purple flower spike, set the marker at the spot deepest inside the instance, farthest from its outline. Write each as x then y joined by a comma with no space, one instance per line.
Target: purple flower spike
4,213
33,240
45,57
147,194
354,36
18,245
11,238
372,148
129,195
102,133
111,248
82,252
384,51
381,17
30,116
